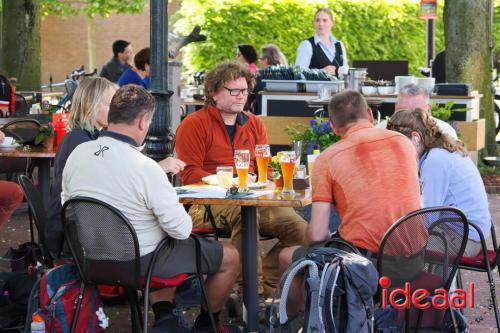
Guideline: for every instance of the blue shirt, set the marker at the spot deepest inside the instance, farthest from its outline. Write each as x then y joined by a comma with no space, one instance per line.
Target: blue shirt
131,77
449,179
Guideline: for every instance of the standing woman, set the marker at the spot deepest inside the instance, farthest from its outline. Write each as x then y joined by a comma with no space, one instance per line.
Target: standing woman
246,55
323,50
448,177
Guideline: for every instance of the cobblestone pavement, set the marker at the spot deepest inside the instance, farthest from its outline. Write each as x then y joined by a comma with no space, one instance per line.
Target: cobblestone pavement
481,319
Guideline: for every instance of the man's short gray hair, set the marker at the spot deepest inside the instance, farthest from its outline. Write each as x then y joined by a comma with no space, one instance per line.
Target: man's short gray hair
413,90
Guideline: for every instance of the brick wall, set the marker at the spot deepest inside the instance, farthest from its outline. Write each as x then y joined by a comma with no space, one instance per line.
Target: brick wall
64,44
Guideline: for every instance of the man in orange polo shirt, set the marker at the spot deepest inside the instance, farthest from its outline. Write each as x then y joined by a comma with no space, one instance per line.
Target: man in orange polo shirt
371,175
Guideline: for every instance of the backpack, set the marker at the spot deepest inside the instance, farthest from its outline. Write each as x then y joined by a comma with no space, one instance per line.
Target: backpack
60,293
339,290
6,95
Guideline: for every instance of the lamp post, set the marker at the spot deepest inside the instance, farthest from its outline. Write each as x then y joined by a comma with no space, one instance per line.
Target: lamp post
159,139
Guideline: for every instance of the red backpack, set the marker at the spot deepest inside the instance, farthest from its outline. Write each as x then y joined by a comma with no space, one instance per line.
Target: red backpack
60,290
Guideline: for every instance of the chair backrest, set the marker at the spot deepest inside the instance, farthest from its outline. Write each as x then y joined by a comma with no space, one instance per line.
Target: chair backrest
21,106
35,204
103,242
430,240
24,130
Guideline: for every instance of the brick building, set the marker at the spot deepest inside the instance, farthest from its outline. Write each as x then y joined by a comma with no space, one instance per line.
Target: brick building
64,42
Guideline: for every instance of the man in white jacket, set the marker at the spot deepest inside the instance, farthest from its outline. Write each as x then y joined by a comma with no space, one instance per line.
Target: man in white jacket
113,169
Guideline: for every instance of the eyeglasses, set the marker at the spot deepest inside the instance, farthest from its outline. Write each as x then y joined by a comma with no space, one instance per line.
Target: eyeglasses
236,92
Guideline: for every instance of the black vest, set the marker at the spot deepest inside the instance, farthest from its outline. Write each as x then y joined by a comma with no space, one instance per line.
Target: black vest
320,60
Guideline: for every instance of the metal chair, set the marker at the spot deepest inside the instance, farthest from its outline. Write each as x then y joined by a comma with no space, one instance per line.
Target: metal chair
105,249
38,214
418,249
479,264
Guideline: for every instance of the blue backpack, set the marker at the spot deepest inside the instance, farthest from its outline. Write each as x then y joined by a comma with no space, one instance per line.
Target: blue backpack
339,290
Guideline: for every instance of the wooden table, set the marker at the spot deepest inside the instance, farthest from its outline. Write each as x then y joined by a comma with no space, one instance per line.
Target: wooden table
249,238
42,159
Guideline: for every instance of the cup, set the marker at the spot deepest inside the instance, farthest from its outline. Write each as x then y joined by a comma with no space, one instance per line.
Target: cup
300,172
263,156
310,164
287,163
242,163
297,148
8,141
225,176
323,92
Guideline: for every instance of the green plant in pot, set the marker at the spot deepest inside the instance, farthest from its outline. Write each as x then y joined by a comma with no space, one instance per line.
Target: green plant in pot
45,133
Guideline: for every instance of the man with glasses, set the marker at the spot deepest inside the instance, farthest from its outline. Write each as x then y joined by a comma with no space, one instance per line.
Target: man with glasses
208,138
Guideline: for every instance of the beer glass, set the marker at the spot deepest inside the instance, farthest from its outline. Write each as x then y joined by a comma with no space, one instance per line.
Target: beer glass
263,156
287,162
225,176
242,163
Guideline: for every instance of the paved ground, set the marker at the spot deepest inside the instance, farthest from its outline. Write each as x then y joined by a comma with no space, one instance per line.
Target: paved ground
481,318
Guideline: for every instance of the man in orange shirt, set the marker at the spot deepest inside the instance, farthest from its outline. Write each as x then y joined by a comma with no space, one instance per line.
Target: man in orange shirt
371,175
208,138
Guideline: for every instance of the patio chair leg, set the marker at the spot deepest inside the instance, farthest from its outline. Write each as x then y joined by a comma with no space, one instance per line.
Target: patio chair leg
132,299
460,286
419,320
491,282
407,320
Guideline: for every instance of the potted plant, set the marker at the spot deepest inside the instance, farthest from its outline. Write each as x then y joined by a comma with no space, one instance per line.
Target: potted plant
318,133
274,164
45,136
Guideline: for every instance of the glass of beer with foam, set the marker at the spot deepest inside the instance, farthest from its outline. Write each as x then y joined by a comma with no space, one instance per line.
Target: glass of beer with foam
263,156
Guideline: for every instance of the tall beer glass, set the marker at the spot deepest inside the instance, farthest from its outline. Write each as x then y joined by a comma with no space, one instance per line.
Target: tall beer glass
287,162
242,163
263,156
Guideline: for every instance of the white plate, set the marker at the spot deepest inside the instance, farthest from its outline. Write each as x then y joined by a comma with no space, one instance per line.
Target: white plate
257,185
11,146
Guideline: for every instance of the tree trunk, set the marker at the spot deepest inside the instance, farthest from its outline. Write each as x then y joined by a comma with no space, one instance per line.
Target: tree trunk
91,43
468,54
20,43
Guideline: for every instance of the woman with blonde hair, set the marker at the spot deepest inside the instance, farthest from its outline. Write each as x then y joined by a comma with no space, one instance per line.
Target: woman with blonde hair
448,177
88,116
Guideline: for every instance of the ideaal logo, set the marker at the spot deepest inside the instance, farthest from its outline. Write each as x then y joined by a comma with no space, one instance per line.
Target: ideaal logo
419,298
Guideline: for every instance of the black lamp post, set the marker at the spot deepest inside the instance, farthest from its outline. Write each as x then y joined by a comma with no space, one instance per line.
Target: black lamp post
159,139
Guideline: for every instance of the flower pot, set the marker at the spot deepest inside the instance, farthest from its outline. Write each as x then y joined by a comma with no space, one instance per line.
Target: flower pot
278,182
48,142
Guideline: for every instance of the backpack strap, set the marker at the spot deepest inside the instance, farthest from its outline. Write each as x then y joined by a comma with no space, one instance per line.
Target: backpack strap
328,271
312,281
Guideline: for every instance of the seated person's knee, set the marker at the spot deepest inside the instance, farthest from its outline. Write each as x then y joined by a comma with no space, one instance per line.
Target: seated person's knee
231,256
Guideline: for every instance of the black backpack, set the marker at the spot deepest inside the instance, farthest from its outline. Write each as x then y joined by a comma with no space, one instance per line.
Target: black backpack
6,94
339,289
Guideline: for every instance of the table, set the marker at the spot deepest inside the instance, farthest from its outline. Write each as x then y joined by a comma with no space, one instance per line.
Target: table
249,238
294,104
42,159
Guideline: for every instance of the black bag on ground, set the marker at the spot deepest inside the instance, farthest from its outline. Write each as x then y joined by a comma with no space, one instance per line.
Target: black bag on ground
339,290
15,288
25,258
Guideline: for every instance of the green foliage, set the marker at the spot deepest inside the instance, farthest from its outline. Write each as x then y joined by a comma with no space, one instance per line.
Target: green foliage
370,30
45,131
90,7
317,133
443,111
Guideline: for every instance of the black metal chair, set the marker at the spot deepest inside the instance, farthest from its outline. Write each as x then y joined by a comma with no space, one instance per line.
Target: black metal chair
479,264
21,106
38,214
418,249
105,249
